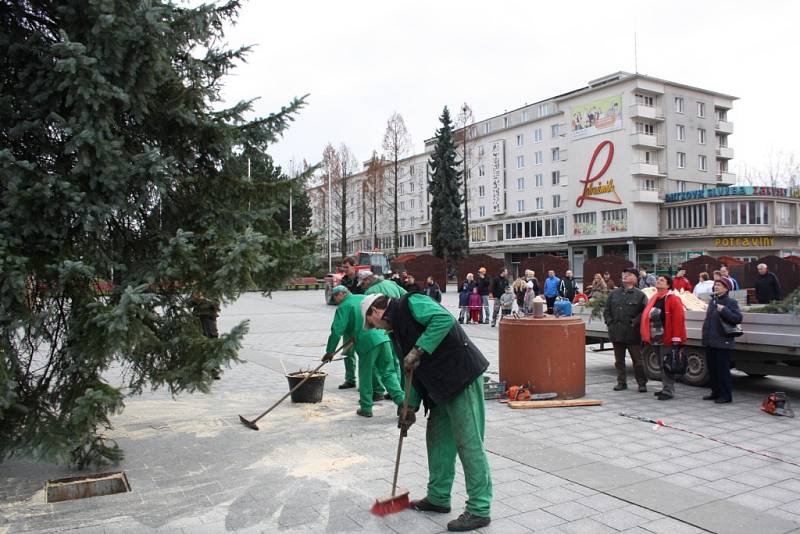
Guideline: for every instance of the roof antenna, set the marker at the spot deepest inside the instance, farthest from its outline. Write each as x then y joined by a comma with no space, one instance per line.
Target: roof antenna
635,55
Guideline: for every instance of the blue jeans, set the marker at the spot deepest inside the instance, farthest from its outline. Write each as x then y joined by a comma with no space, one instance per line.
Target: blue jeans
485,309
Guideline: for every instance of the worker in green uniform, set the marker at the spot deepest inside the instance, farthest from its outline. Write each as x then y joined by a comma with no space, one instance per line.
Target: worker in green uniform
373,286
448,377
372,353
345,323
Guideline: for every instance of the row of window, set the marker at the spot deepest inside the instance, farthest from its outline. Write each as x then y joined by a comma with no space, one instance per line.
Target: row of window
680,107
613,221
538,181
726,213
555,131
702,161
534,228
539,203
538,158
685,217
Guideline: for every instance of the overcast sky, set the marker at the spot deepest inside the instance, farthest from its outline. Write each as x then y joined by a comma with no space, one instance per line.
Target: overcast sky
362,60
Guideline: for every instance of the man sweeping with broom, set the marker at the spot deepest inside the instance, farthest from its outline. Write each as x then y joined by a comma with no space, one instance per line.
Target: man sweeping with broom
447,370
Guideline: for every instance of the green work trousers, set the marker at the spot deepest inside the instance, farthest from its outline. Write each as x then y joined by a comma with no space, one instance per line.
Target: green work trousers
457,428
350,366
376,371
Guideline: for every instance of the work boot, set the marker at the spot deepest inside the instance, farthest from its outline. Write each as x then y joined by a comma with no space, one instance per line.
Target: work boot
657,393
467,521
492,325
377,397
424,505
642,389
363,413
710,397
664,396
618,387
347,385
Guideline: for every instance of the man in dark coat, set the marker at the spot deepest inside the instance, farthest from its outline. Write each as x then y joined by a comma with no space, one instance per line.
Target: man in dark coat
623,314
767,286
568,287
350,278
483,284
447,375
498,288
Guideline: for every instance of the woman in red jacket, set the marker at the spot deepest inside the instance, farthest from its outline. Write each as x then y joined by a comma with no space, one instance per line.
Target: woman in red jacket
664,326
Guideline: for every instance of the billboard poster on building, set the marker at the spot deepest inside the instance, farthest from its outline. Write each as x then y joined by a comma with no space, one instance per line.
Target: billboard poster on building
497,175
596,117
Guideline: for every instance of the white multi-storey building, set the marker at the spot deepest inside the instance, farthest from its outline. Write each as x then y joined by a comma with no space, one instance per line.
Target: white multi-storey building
595,171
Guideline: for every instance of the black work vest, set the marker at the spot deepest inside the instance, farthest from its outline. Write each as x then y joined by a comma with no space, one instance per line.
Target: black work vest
453,366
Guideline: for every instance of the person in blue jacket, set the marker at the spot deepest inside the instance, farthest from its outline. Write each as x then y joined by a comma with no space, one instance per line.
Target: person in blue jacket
551,285
463,298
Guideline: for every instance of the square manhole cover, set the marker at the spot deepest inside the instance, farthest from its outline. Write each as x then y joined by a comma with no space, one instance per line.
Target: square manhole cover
67,489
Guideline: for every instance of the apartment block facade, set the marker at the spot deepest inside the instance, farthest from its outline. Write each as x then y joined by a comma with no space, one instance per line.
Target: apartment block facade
629,164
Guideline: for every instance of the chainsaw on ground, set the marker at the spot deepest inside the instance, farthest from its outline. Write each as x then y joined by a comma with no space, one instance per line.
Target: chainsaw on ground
524,393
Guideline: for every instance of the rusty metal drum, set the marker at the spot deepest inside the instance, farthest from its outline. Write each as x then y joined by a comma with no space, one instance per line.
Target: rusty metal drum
548,352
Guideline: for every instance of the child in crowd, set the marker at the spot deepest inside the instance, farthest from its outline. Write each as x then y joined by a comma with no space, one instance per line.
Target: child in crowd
507,301
475,305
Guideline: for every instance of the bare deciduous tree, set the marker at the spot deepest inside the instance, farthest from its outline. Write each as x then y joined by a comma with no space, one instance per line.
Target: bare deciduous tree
782,169
396,143
374,186
348,164
331,187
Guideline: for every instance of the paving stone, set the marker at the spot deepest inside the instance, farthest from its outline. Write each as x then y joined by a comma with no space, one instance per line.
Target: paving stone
570,511
600,476
537,520
619,519
660,496
668,525
587,525
602,502
728,517
526,502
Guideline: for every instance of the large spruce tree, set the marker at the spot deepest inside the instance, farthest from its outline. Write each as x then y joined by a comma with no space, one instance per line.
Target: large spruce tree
119,162
447,225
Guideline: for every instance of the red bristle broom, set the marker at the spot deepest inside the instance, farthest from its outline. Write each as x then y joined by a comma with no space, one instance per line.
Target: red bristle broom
398,500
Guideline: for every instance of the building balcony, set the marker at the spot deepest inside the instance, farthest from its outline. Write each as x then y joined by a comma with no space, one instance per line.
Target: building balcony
724,127
647,140
726,177
646,112
724,152
646,169
648,196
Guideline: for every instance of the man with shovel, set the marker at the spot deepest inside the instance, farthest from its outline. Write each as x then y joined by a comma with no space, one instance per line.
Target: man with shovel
448,377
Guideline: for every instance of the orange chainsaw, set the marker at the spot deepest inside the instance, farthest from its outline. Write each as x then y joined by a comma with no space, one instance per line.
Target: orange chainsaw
523,393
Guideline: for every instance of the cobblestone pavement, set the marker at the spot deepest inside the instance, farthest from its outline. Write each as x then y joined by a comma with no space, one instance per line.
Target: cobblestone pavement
318,468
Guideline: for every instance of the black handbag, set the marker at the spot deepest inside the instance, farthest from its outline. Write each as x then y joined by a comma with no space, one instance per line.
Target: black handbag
730,329
675,361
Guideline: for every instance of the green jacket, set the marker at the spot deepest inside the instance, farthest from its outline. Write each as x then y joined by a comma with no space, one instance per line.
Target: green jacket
388,288
347,321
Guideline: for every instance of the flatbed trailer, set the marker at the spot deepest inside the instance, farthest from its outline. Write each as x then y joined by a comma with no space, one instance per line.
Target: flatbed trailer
769,346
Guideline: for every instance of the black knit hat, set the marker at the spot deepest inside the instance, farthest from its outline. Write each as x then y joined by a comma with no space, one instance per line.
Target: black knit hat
631,270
